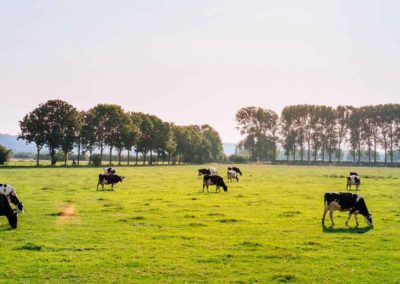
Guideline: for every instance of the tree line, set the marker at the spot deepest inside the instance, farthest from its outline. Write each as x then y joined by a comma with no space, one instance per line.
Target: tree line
59,126
317,132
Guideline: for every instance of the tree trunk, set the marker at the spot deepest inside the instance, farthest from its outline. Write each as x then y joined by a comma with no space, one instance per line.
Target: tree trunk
128,156
65,158
144,158
119,156
110,162
301,152
53,156
369,152
137,157
79,152
151,158
308,151
294,152
37,156
90,156
101,154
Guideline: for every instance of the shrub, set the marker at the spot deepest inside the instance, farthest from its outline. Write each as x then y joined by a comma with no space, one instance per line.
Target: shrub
237,159
96,160
4,154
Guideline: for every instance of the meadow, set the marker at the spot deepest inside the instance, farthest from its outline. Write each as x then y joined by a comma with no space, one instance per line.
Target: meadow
159,227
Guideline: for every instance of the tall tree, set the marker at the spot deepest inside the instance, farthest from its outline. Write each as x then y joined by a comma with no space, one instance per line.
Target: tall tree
32,127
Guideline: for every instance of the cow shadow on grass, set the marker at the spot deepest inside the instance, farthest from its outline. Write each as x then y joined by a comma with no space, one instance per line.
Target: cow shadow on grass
354,230
6,227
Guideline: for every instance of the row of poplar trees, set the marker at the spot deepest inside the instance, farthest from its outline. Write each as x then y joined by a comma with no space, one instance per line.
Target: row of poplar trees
59,126
311,132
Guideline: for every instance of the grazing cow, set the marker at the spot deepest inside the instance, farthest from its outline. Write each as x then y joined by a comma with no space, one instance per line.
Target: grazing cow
204,172
109,179
353,179
232,175
345,201
237,170
214,180
213,171
109,171
7,195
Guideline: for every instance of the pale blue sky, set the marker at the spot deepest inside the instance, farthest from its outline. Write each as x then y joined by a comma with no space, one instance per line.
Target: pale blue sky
194,62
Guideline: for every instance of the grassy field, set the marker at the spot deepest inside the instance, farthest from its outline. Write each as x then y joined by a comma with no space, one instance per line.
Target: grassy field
158,227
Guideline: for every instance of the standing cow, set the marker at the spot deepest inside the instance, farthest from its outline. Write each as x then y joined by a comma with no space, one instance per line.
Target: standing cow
236,169
109,179
353,179
232,175
214,180
204,172
345,201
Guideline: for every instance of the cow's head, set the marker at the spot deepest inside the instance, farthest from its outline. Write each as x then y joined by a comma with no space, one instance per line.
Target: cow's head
17,203
368,219
121,178
225,188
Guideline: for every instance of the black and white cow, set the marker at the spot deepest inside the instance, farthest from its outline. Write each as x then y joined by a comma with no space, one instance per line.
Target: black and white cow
213,170
204,172
7,196
353,179
109,179
232,175
109,171
214,180
236,169
345,201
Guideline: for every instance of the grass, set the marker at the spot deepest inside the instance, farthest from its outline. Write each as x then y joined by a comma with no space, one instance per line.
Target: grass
159,227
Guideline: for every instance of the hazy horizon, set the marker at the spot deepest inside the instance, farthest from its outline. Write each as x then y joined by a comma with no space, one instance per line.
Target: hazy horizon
197,62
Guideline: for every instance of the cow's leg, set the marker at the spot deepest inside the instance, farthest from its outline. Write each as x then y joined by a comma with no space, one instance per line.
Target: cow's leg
97,188
323,216
331,216
112,186
8,211
348,218
355,217
12,220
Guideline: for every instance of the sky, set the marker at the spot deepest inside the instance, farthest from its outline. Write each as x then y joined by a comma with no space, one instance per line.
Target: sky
197,62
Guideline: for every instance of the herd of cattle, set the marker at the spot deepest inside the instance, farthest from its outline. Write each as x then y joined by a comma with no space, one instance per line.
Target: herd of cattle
342,201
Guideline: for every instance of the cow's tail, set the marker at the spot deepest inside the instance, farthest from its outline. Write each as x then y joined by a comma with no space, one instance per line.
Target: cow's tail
240,173
326,201
237,179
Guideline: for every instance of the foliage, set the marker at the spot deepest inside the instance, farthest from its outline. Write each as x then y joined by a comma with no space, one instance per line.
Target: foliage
237,159
4,154
96,160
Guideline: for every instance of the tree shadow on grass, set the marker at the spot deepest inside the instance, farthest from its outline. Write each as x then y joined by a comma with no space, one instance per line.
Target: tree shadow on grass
354,230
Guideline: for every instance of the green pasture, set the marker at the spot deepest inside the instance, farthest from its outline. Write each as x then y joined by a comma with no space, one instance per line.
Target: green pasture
159,227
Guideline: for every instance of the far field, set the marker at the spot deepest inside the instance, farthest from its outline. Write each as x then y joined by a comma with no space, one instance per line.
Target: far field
159,227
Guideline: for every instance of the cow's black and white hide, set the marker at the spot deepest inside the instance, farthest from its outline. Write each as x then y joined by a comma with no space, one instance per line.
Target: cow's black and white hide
214,180
203,172
109,171
236,169
353,179
213,171
109,179
345,201
7,196
232,175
